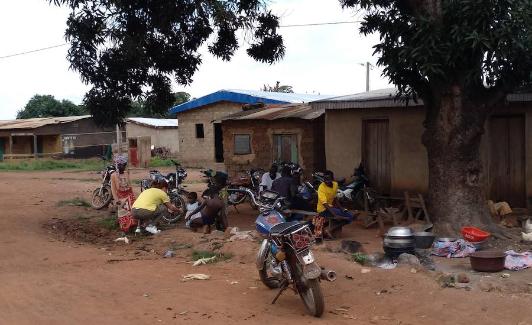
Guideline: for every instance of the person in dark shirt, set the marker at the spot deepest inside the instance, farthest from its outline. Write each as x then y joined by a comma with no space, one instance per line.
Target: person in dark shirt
285,186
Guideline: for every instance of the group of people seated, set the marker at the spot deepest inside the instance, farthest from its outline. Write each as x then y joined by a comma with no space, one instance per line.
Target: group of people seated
329,209
153,204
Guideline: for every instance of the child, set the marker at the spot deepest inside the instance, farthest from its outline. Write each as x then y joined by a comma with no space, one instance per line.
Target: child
192,204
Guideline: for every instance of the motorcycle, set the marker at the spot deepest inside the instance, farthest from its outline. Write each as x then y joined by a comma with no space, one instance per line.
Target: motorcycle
285,259
251,180
176,190
103,196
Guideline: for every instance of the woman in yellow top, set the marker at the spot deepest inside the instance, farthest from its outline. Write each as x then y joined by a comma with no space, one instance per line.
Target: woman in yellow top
329,207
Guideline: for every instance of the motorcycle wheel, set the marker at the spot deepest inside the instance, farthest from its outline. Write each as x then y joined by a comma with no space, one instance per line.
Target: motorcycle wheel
312,297
270,281
101,199
359,201
235,198
179,202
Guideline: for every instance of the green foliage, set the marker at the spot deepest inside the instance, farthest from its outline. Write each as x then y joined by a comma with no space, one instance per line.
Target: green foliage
427,47
196,255
140,108
77,201
132,50
159,162
278,88
49,164
110,223
360,258
48,106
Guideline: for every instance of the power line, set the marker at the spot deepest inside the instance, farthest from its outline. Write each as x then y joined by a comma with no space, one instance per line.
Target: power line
32,51
281,26
321,24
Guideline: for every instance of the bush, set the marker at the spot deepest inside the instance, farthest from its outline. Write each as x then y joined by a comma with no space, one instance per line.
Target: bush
159,162
196,255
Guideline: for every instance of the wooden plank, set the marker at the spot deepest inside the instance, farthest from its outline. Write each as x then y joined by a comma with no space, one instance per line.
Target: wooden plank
376,153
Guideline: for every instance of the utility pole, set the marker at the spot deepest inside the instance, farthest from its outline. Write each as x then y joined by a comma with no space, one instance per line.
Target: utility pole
118,140
368,68
368,65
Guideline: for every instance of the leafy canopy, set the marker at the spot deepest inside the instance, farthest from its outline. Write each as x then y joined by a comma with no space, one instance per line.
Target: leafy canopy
142,109
484,47
48,106
278,88
134,49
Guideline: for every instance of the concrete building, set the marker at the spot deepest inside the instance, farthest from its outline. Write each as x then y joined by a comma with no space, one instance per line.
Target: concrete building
201,140
259,137
385,135
72,136
163,132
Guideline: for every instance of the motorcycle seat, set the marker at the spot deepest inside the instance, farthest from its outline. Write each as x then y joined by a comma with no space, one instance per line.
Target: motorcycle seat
285,228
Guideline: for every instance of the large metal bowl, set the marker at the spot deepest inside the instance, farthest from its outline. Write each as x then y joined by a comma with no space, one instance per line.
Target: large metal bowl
424,239
400,232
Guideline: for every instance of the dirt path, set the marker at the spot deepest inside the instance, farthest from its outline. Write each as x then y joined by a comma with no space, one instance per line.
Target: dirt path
48,281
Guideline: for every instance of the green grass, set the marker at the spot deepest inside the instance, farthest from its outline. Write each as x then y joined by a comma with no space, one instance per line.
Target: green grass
178,246
158,162
196,255
110,223
50,164
360,258
77,201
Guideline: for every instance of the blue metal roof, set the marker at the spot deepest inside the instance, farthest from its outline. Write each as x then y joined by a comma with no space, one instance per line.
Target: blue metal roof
246,97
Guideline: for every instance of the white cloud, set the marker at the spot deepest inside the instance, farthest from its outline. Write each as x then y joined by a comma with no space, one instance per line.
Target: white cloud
322,59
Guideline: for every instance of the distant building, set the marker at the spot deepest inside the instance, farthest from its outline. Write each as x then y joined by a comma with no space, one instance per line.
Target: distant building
72,136
385,135
201,136
289,133
163,132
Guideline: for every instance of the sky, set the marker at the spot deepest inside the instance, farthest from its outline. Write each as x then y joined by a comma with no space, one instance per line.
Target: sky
319,59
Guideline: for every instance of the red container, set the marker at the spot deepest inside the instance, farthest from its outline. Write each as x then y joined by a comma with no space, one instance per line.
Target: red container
473,234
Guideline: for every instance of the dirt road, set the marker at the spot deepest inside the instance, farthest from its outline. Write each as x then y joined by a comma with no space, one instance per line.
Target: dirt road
44,280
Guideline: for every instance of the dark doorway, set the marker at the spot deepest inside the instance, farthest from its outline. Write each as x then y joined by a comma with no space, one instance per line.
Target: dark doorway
507,160
376,154
40,145
218,143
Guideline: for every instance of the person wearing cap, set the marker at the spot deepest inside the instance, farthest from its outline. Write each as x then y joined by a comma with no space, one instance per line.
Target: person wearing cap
153,204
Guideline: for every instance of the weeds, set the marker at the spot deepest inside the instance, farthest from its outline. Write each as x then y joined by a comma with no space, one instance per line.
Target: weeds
159,162
360,258
109,223
178,246
77,201
50,164
196,255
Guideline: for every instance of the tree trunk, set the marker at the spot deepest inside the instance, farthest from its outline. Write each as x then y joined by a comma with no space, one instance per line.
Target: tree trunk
454,127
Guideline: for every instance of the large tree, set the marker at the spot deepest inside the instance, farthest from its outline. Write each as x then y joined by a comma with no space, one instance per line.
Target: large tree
461,58
48,106
132,50
140,108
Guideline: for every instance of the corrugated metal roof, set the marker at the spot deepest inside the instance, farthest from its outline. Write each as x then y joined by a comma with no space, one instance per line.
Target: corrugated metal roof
33,123
154,122
383,98
299,111
246,97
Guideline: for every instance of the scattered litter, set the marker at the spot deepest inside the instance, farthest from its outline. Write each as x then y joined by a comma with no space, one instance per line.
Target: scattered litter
253,288
458,248
234,282
196,276
517,261
505,275
234,231
462,278
146,295
122,239
364,271
204,260
341,309
241,235
412,270
183,313
169,253
348,277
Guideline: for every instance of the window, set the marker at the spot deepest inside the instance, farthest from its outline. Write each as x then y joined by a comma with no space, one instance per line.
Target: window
242,144
285,148
200,134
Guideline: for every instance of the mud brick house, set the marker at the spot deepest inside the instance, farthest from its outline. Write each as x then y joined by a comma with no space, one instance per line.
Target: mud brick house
163,132
385,135
201,136
73,136
259,137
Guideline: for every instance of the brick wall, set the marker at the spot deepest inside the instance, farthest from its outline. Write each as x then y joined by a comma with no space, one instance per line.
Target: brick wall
194,152
310,138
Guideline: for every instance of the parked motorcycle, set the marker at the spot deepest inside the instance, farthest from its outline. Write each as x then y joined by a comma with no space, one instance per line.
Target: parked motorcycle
251,180
103,196
285,259
176,191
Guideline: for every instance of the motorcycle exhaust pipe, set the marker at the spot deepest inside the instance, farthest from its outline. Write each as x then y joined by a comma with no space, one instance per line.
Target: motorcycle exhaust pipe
328,275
